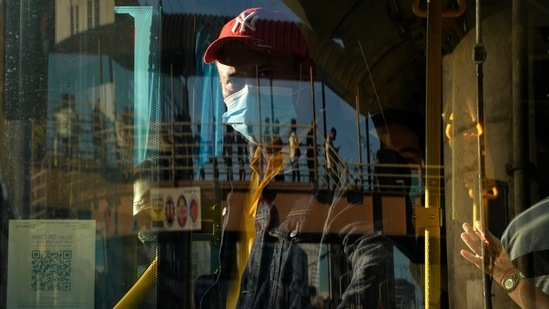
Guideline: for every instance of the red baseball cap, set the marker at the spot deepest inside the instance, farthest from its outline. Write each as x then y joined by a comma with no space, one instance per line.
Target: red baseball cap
268,32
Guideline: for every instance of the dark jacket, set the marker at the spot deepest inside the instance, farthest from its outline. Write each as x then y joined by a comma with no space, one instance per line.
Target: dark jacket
278,272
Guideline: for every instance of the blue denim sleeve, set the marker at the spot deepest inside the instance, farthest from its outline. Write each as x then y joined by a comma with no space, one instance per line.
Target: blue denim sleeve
371,276
370,280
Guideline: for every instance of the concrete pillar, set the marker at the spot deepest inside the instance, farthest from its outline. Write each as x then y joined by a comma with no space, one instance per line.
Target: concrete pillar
461,145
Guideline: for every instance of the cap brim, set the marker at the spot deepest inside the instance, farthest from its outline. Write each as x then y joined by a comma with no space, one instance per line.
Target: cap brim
211,53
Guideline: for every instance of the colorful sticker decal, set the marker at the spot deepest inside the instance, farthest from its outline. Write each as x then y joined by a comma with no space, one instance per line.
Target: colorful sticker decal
170,211
176,209
157,214
181,210
194,209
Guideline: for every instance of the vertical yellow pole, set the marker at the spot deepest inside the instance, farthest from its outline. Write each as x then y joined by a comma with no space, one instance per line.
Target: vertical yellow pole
433,136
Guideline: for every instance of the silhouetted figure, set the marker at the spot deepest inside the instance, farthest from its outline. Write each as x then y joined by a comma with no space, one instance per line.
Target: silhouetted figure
67,128
331,158
228,142
242,153
295,153
311,149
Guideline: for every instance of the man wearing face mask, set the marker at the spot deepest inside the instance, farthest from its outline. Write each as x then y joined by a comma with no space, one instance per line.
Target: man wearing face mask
399,133
258,54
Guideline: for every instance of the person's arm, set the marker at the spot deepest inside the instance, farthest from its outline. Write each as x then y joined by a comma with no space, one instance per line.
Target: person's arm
370,257
293,144
487,253
328,153
368,253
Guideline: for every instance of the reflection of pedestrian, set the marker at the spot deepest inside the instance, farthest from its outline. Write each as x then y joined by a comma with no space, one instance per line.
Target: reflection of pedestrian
273,137
295,153
268,137
311,148
331,157
228,141
242,153
276,129
67,127
123,126
197,142
98,133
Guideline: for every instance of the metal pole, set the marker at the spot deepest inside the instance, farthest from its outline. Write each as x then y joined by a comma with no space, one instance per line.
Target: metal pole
313,127
479,56
433,151
521,177
520,108
357,109
369,166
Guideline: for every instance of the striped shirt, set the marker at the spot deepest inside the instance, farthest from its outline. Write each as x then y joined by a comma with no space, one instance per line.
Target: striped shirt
527,237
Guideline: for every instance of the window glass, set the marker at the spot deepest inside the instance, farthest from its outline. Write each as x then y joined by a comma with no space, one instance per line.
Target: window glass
288,154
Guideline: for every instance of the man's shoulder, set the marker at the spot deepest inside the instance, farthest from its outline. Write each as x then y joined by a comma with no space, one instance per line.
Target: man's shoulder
539,213
527,232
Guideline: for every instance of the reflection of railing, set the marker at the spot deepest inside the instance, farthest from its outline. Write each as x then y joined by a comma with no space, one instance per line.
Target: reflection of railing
178,154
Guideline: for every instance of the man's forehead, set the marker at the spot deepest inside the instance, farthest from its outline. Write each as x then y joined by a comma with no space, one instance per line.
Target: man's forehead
398,136
241,55
247,62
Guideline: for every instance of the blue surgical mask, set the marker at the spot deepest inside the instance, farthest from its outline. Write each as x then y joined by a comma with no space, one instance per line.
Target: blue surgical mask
264,121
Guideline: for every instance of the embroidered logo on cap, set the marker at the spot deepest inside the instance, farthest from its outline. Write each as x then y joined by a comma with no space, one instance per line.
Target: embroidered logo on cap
243,20
247,20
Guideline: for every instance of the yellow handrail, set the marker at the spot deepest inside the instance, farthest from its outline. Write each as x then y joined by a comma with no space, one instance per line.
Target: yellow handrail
136,294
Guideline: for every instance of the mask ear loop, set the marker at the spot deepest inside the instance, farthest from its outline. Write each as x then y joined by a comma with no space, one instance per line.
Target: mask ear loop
260,124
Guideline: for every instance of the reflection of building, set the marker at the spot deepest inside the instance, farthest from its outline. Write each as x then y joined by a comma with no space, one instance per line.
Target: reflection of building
84,155
77,169
78,16
49,200
67,129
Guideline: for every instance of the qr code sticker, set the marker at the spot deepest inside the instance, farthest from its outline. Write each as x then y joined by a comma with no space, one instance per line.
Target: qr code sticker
51,270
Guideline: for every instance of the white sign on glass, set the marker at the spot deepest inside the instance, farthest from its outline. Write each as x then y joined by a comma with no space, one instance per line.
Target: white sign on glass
51,264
